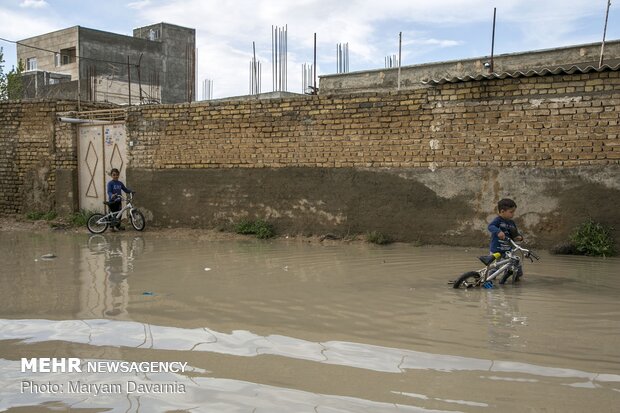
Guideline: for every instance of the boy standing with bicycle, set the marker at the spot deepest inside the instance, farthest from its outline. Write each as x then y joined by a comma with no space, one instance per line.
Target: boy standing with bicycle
503,228
115,189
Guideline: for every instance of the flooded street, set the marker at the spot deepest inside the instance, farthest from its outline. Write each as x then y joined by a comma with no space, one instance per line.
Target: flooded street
294,326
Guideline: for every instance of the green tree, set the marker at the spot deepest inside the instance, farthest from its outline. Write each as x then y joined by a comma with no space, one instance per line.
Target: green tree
14,83
3,79
11,84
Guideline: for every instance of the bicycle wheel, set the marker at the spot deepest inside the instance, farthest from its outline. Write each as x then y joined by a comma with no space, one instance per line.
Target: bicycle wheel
468,280
137,219
95,224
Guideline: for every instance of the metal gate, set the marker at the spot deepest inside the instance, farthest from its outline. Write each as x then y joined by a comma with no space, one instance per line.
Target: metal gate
101,147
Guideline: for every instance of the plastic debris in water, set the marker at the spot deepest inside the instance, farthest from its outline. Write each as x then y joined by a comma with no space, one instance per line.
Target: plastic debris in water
148,293
207,269
48,257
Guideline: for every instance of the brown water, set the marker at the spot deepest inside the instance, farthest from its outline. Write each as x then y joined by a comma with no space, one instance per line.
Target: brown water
288,326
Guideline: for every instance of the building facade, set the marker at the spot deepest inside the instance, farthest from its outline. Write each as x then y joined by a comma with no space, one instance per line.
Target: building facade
156,65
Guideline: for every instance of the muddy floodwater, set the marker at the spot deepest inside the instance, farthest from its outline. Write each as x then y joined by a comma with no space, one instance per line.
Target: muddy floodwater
294,326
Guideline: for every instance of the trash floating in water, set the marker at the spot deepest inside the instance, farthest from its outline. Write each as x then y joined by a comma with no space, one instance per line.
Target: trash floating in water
148,293
207,269
48,257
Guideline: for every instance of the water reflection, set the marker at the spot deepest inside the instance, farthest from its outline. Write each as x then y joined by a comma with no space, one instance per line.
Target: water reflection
104,270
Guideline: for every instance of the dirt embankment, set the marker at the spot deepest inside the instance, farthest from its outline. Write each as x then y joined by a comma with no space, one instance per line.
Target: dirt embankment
17,223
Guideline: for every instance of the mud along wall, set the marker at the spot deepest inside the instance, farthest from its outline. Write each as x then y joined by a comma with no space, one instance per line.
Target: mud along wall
426,165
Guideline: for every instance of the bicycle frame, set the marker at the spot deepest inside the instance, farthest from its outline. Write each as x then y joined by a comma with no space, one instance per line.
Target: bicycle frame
118,214
504,264
497,266
97,223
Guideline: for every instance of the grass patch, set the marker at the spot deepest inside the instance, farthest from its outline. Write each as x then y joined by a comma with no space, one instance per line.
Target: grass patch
39,215
260,228
594,239
376,237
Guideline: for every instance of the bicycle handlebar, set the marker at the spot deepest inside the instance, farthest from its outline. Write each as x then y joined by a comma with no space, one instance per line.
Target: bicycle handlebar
127,197
527,253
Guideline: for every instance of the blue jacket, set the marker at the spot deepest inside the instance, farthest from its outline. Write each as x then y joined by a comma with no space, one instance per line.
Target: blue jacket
508,227
115,188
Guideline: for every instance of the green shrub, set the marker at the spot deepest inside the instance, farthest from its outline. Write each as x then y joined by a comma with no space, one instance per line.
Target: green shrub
263,230
593,238
378,238
78,219
259,228
245,227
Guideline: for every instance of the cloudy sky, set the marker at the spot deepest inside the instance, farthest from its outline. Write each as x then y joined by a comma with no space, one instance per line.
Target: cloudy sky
225,29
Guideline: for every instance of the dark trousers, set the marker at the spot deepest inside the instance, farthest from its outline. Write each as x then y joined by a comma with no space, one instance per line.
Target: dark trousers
115,207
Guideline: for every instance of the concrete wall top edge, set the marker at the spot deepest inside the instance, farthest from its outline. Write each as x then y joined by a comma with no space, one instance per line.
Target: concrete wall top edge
608,45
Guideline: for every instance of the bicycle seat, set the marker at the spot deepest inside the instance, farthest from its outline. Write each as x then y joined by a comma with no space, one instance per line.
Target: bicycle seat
487,259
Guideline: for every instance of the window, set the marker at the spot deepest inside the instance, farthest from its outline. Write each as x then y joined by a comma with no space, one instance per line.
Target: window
56,59
31,63
67,56
154,34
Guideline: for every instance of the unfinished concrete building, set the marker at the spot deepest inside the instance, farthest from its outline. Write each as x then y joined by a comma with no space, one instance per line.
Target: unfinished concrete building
156,65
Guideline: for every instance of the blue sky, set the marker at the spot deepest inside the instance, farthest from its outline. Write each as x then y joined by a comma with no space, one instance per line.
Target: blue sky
225,29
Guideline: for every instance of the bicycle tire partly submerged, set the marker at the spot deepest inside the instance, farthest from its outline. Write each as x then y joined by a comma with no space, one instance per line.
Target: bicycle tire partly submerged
468,280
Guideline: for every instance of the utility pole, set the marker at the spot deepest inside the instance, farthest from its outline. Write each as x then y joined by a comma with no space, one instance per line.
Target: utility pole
493,38
600,62
400,43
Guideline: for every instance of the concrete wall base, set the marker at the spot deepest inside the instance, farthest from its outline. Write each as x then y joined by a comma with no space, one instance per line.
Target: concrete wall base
445,206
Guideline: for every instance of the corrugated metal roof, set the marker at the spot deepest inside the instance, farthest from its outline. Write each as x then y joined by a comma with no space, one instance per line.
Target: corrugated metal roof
504,75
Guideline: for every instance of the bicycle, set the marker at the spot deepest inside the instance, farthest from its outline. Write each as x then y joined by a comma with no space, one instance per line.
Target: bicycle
497,267
97,223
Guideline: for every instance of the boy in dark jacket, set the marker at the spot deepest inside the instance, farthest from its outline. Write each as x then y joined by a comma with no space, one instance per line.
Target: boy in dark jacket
114,194
503,227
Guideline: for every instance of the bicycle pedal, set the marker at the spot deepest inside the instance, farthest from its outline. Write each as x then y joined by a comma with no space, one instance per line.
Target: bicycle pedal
488,284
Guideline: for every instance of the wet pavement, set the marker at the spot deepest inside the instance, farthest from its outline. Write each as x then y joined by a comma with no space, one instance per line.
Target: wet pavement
292,326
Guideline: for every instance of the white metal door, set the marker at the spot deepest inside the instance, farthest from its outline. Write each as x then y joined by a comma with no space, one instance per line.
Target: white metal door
100,148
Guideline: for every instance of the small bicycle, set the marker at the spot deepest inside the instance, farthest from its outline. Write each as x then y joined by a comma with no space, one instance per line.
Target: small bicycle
497,267
97,223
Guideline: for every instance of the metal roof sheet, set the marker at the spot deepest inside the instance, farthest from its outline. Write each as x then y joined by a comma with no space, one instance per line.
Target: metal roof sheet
504,75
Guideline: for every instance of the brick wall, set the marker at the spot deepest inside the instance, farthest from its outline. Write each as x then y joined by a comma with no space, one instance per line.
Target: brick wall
33,148
551,121
426,165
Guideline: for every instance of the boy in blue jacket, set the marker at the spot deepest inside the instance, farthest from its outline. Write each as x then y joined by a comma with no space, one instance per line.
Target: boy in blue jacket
503,227
114,194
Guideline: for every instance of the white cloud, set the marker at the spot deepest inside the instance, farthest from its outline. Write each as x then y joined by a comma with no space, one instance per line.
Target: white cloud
137,5
225,30
33,4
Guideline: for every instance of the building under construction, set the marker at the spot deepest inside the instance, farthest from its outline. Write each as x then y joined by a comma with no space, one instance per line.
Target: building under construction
156,65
